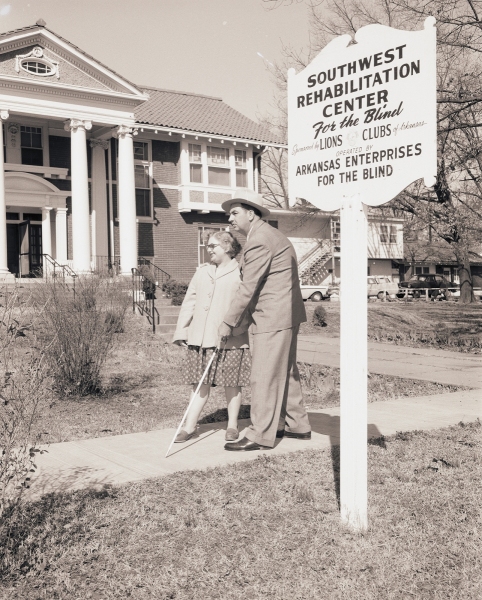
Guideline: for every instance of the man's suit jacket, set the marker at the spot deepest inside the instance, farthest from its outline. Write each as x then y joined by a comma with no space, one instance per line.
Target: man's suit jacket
269,293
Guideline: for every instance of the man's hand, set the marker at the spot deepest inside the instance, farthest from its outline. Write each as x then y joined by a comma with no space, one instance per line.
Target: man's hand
181,343
224,332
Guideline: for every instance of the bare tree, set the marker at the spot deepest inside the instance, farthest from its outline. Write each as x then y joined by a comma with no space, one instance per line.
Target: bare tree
454,206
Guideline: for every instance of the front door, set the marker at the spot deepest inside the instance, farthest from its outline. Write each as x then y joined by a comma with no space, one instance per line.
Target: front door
13,256
30,244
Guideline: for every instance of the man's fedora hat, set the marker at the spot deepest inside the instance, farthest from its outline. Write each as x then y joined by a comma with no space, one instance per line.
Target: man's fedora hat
249,197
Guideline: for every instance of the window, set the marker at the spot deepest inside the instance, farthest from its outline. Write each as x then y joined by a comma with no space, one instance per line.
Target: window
141,151
143,190
32,216
142,174
31,144
388,234
241,171
195,166
218,166
37,67
204,233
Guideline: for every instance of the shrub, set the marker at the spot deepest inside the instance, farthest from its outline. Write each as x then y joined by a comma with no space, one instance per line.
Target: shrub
25,389
176,290
319,317
80,330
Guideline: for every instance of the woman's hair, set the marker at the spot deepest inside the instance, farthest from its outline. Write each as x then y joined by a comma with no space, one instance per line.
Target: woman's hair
230,244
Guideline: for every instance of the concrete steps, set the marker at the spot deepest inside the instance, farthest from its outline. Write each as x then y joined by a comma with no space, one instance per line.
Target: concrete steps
168,315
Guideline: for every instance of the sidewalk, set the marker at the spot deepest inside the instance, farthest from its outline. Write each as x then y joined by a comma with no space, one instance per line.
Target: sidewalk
137,456
427,364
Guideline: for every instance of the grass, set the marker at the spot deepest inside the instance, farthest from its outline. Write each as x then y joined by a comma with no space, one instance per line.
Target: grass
267,528
140,391
444,325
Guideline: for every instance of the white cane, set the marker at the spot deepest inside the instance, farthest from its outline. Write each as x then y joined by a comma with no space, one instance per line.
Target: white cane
216,350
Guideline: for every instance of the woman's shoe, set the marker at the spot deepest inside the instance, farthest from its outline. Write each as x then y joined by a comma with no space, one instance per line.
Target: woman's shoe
231,435
183,436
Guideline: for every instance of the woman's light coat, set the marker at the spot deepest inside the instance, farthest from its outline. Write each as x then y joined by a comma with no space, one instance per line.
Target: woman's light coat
207,300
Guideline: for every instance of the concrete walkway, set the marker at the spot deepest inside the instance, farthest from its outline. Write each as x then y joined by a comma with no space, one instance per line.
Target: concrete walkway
427,364
137,456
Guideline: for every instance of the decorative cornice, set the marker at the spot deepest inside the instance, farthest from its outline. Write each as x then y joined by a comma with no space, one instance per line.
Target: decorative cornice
74,124
4,115
96,143
18,83
123,131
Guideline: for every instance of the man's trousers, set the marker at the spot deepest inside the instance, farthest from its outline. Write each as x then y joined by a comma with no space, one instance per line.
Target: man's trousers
276,400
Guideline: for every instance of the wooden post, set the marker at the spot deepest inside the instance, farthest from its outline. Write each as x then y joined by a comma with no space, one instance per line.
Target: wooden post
353,363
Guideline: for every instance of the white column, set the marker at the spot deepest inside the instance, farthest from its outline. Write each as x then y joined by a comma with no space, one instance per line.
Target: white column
46,231
353,363
80,194
46,236
3,205
61,235
256,173
126,200
99,198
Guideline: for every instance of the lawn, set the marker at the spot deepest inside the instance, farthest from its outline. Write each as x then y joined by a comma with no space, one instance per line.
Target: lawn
141,391
444,325
269,528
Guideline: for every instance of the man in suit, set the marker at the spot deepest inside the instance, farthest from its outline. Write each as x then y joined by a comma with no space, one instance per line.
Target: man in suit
270,297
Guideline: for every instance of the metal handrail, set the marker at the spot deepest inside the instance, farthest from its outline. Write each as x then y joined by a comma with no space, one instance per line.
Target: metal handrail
59,270
144,297
160,276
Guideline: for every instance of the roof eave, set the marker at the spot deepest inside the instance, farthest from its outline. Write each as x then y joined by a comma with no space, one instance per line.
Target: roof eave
204,134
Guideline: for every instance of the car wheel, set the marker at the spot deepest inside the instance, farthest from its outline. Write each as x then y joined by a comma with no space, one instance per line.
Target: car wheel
416,293
381,295
316,297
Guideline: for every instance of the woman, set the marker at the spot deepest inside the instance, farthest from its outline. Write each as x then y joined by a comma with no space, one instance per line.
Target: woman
207,300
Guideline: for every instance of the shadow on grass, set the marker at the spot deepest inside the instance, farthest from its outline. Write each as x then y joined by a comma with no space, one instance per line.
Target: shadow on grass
119,383
329,425
26,528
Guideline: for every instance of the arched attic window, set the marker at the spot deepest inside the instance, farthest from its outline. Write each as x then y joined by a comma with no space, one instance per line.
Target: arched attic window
36,63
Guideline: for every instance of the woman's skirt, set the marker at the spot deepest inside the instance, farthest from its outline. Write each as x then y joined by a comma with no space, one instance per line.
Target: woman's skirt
231,368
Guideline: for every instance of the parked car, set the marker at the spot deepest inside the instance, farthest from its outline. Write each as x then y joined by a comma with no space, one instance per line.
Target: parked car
315,293
377,285
417,284
381,286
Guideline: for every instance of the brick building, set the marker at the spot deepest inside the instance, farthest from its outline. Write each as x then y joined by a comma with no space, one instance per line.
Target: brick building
98,170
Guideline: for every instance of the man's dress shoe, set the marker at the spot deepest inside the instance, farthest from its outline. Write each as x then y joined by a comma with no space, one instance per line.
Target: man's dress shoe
245,445
290,434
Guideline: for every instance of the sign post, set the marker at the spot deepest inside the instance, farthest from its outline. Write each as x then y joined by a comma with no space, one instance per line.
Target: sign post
361,128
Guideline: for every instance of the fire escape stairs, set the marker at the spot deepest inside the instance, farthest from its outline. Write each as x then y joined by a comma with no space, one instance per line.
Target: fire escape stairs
312,267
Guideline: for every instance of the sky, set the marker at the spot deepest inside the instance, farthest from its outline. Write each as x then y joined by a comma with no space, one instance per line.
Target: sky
213,47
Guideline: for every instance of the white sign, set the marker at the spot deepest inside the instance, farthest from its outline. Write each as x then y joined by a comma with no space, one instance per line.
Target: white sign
362,117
